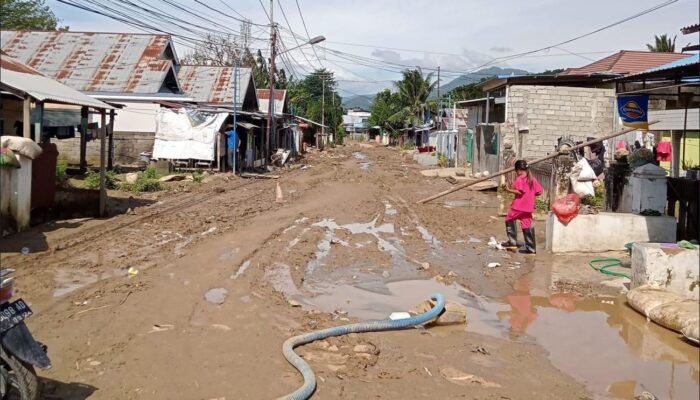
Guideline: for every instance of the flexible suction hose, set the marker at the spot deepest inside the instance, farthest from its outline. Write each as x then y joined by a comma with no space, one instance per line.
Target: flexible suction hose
307,389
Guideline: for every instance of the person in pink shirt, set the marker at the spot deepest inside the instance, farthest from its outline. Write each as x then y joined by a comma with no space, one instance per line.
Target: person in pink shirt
525,188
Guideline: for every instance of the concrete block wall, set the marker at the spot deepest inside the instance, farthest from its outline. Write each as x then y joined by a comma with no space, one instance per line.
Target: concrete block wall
127,147
555,111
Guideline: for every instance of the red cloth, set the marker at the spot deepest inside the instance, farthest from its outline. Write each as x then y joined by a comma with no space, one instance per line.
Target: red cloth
663,151
525,218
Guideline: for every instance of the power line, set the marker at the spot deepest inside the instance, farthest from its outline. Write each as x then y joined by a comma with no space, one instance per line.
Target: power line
308,37
279,3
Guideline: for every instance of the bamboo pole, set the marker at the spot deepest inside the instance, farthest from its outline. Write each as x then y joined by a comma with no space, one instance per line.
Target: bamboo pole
539,160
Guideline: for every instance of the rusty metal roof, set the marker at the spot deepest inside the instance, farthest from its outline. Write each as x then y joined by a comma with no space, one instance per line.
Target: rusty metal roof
264,100
626,62
97,62
687,30
213,84
19,78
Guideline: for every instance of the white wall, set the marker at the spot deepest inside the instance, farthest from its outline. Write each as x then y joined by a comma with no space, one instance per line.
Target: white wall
136,117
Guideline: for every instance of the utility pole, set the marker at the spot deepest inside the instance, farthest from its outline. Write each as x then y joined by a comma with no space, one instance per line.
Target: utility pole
323,108
273,39
439,102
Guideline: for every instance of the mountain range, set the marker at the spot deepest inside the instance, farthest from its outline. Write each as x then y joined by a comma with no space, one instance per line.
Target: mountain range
364,101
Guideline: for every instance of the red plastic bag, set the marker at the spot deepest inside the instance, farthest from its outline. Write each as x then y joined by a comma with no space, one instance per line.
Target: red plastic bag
566,208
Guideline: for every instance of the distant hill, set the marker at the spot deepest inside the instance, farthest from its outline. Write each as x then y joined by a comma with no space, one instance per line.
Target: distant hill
477,76
363,101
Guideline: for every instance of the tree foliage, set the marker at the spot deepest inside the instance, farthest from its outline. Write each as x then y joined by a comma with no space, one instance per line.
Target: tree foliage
385,111
467,92
663,44
27,14
307,99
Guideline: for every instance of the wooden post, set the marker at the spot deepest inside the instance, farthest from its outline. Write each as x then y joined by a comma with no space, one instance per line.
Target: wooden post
27,117
110,145
83,138
103,172
511,169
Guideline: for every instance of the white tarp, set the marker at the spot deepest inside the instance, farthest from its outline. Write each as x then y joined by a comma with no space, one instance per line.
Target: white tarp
177,136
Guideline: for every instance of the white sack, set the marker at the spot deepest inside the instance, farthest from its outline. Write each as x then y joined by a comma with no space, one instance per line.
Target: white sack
586,172
22,146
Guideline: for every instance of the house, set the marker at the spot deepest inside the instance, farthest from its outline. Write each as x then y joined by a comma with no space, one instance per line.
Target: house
356,123
534,111
26,96
133,70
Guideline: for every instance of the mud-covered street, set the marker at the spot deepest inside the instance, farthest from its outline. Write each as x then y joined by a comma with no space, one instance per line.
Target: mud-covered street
222,274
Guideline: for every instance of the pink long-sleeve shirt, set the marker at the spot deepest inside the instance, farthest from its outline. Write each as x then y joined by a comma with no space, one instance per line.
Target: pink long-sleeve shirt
526,201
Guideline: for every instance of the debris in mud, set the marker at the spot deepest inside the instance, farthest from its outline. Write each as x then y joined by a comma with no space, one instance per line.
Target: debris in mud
481,350
161,328
216,295
458,377
293,303
132,272
424,266
399,315
368,348
493,243
453,314
493,265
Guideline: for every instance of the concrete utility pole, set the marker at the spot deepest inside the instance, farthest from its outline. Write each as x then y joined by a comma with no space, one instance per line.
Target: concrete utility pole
439,102
273,39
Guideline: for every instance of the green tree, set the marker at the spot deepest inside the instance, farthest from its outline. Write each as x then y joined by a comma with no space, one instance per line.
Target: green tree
663,44
467,92
316,98
385,111
27,14
413,90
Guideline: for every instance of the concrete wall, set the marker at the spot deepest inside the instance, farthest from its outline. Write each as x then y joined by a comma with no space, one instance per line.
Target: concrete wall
607,232
666,266
127,147
554,111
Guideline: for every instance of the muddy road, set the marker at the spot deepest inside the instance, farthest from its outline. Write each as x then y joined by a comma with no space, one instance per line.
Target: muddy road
226,274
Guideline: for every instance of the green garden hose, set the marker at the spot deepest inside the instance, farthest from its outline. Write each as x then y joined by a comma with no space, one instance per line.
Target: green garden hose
609,263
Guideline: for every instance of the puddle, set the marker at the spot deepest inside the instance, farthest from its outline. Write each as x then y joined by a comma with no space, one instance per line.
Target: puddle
365,166
359,156
68,281
602,343
429,237
389,209
216,295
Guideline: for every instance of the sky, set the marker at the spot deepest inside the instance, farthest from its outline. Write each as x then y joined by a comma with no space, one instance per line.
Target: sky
457,35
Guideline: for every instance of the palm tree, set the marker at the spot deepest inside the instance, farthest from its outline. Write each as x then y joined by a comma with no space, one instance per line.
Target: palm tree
663,44
413,90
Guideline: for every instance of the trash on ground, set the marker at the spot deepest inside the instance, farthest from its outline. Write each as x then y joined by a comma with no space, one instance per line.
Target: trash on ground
493,265
494,244
399,315
132,272
293,303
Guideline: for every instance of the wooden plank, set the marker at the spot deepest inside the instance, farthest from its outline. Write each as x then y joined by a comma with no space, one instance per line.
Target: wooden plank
539,160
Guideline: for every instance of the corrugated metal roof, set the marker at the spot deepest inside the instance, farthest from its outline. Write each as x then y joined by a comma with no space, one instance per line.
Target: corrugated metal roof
693,59
213,84
22,78
264,100
627,62
95,62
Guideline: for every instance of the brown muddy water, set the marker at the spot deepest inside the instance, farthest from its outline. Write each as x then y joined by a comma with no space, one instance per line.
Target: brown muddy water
599,341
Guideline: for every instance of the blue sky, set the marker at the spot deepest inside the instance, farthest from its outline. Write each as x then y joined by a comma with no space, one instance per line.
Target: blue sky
457,35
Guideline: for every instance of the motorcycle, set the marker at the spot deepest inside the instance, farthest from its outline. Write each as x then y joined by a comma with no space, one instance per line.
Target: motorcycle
19,352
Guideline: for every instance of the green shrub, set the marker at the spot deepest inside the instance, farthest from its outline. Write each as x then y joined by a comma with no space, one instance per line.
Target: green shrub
150,173
62,170
408,146
197,177
92,180
143,184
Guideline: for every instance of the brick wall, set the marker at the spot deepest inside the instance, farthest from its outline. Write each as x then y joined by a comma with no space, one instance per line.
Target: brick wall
127,147
554,111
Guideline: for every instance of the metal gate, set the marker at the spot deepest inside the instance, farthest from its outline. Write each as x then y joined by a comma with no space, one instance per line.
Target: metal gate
487,149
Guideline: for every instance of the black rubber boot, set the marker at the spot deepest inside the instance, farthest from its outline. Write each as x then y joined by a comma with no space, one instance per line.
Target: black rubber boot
512,232
530,244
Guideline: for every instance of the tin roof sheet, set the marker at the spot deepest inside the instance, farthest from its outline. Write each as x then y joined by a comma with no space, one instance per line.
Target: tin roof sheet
213,84
264,100
626,62
95,62
22,78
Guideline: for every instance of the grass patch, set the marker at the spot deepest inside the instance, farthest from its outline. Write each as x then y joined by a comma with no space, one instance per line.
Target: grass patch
61,170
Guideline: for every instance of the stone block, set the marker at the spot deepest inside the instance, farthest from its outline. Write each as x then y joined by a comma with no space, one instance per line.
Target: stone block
666,266
607,232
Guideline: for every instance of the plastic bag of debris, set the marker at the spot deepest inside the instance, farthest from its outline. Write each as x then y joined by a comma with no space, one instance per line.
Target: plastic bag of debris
566,208
7,158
